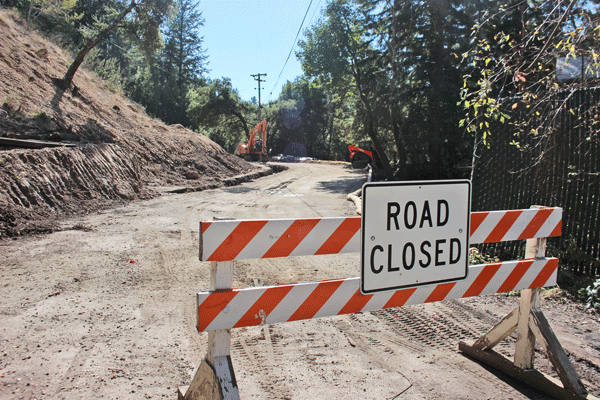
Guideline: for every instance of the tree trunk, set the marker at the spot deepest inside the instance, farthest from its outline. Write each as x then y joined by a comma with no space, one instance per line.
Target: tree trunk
370,122
68,78
434,97
241,118
396,131
371,131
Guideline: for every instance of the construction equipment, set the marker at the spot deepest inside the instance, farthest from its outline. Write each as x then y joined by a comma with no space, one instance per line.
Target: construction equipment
256,148
360,158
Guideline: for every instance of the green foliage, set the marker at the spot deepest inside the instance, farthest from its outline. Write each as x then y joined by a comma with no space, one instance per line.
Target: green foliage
57,16
570,254
399,62
138,22
582,288
162,82
108,69
183,44
513,68
184,57
217,106
41,116
591,295
13,106
476,258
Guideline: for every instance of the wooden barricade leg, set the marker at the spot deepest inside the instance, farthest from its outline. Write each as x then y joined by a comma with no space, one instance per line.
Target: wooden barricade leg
530,324
215,378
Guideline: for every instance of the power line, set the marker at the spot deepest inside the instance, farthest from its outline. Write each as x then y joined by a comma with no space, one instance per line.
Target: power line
314,12
292,49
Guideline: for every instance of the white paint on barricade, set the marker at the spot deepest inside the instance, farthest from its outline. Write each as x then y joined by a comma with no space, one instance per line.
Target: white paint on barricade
502,226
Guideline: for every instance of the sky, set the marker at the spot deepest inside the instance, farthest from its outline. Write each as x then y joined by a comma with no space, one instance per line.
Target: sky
247,37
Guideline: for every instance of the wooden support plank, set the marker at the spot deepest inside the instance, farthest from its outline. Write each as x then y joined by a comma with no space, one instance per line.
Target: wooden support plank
32,143
535,248
530,299
525,346
531,377
228,309
203,386
499,332
222,240
555,352
530,324
219,344
221,277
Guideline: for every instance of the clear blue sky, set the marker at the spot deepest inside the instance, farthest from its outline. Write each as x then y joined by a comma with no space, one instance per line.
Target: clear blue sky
247,37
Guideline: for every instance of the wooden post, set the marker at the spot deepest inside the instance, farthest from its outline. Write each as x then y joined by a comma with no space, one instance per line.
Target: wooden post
215,377
219,342
530,300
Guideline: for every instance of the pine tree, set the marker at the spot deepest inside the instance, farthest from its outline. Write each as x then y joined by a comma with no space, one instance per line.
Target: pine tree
183,53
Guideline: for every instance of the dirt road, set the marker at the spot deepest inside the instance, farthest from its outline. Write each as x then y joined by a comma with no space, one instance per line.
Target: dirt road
105,309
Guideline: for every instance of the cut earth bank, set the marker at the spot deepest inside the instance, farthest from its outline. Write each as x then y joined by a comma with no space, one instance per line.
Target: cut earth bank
119,153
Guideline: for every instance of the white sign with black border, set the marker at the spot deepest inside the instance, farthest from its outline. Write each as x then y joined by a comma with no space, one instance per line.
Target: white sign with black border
414,233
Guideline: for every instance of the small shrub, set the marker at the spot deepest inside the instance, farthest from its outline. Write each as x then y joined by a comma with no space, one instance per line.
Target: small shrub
592,295
475,257
41,116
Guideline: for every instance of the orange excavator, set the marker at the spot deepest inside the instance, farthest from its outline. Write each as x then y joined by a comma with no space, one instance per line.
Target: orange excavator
360,158
256,148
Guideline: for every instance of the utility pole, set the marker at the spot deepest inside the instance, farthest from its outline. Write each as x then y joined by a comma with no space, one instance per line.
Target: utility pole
257,78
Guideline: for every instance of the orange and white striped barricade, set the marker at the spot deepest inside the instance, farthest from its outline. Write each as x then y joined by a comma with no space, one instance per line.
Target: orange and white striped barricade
222,307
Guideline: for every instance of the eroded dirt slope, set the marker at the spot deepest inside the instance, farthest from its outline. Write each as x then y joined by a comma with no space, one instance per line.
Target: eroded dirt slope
119,153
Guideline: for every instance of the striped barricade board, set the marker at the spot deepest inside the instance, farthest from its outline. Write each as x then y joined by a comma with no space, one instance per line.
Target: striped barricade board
283,303
228,240
245,239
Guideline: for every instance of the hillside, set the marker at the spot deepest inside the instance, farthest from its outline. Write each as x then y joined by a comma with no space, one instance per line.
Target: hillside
117,152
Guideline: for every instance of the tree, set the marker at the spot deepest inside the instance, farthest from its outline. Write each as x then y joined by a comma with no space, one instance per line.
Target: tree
183,52
58,15
339,46
299,116
218,105
421,43
402,57
142,26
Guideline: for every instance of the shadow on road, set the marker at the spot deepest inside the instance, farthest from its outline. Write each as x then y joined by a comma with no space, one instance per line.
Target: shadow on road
343,185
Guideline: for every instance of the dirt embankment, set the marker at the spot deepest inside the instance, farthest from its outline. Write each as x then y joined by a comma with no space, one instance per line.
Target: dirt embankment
119,153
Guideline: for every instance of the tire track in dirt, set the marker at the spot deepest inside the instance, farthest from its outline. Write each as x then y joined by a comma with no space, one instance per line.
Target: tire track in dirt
440,326
260,355
404,329
174,246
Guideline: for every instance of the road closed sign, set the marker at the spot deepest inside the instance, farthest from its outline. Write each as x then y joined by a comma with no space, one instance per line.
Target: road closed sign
414,233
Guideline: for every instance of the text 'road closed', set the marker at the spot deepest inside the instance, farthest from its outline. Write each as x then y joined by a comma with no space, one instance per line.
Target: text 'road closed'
414,234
